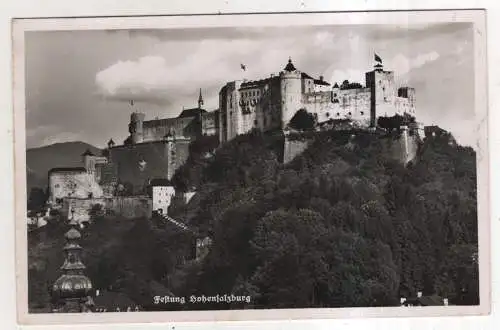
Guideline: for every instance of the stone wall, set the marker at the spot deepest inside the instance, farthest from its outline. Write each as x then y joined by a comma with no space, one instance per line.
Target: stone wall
127,207
293,148
157,158
403,148
154,130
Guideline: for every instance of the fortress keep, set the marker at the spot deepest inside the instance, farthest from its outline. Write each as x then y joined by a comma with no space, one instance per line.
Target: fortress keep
272,102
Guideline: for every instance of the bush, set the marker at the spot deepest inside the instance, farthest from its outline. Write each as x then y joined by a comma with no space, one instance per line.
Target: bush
303,121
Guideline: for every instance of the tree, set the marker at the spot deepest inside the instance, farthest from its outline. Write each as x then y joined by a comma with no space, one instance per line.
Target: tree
37,199
303,121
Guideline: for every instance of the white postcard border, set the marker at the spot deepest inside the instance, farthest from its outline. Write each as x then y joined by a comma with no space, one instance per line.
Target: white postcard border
476,17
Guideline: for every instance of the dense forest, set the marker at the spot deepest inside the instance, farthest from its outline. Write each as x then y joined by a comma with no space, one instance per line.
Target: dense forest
342,225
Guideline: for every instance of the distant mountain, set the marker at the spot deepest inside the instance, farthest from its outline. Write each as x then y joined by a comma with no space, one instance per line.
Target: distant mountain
40,160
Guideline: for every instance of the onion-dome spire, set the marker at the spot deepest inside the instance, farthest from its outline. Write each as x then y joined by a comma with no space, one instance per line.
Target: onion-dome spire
72,289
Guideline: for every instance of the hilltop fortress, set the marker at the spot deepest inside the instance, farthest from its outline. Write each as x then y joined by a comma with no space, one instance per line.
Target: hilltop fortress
156,148
271,103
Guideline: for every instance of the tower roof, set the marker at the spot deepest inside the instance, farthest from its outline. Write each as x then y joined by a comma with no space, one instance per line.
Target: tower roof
290,67
200,100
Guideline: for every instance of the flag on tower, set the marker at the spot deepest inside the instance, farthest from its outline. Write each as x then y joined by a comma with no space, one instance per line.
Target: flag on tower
377,58
132,102
243,67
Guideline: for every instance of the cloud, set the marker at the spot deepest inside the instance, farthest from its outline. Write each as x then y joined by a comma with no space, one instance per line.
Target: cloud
146,79
403,64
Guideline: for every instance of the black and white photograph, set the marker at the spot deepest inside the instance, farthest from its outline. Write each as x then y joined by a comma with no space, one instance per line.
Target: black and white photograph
301,163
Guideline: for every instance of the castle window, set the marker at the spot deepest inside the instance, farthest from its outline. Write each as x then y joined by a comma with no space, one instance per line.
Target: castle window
328,114
349,114
362,113
255,122
57,185
334,94
338,114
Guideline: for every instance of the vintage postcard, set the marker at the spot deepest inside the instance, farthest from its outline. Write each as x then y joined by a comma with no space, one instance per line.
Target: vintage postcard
251,167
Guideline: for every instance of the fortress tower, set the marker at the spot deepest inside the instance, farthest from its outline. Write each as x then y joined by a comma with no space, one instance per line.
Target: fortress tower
383,92
291,92
135,127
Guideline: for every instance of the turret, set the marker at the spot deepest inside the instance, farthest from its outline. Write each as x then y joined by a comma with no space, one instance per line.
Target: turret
383,91
111,143
135,127
291,92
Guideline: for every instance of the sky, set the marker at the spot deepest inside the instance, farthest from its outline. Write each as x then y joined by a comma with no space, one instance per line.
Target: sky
79,83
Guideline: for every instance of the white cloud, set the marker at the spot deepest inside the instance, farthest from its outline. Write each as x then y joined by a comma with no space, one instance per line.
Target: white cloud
404,64
143,76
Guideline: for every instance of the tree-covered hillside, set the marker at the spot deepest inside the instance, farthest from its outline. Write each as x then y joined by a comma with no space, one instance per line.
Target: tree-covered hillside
341,225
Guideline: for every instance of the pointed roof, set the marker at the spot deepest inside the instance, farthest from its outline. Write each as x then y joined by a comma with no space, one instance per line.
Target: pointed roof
191,112
290,67
111,142
336,85
200,99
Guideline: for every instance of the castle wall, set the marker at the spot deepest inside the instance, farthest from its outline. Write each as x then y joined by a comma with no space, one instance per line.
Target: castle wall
353,104
154,130
229,99
293,148
130,207
405,105
210,123
156,158
270,105
403,149
127,207
77,184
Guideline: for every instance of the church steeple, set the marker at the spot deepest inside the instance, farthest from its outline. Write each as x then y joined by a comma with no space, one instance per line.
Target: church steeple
200,100
71,291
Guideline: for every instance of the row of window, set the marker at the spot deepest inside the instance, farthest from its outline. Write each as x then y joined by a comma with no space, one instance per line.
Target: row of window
250,93
349,114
